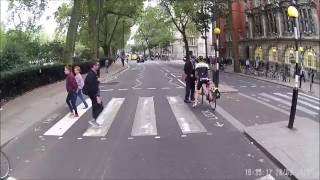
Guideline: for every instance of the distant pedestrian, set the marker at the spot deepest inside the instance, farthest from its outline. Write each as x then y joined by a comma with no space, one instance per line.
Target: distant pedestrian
189,71
71,86
80,84
302,76
91,88
247,66
107,65
122,56
311,79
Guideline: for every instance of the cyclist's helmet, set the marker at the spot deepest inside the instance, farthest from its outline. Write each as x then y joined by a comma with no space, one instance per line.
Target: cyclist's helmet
200,59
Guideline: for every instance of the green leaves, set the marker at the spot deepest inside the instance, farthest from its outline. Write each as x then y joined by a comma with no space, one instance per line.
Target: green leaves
154,30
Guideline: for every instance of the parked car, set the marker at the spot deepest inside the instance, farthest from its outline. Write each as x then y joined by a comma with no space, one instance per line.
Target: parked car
134,56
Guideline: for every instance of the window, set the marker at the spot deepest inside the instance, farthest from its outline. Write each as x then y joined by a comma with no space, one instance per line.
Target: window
288,23
271,23
257,28
306,20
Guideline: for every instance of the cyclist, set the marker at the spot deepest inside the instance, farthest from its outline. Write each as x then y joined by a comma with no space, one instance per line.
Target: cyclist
202,77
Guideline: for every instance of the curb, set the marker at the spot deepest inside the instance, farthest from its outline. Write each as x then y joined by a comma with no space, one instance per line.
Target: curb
266,80
269,155
111,76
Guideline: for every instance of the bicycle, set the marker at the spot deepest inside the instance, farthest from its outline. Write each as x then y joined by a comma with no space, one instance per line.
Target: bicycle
5,166
215,94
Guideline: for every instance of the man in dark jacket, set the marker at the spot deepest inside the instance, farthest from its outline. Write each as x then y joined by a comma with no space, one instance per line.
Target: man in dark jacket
189,78
92,89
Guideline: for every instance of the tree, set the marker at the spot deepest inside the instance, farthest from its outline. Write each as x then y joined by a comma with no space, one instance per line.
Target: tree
179,11
72,32
32,9
154,30
93,8
201,19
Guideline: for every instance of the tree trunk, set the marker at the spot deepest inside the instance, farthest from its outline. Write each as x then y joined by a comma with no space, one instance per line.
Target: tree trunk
72,32
235,41
186,44
92,24
206,44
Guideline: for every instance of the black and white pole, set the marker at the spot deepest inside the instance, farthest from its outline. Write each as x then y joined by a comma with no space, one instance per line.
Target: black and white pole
293,13
217,31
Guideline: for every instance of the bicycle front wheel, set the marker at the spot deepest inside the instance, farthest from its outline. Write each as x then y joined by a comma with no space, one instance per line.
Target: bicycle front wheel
5,167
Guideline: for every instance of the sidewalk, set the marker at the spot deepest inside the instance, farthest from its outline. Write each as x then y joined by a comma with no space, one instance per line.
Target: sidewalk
42,104
305,86
295,149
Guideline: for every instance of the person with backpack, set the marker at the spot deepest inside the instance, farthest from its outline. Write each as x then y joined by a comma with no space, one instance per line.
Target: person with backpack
71,86
80,84
91,89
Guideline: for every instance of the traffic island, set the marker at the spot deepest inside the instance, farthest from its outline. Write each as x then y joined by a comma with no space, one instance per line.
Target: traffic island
295,150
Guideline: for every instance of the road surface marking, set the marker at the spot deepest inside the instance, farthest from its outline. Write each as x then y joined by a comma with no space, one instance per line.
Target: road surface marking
307,99
123,89
165,88
145,119
317,99
288,103
157,137
254,86
262,86
187,121
66,122
173,75
299,101
105,118
264,103
136,88
180,87
243,86
106,90
266,177
264,99
181,82
151,88
236,123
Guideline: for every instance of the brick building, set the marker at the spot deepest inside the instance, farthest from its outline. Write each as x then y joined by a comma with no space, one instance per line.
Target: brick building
265,33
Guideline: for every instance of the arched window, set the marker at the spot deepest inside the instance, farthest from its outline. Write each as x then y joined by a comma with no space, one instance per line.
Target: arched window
289,56
309,59
273,54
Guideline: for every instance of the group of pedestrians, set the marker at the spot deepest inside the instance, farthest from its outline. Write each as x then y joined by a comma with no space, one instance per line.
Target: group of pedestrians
75,86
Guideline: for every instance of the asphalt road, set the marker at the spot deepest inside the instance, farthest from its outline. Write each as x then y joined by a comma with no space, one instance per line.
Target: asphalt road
148,132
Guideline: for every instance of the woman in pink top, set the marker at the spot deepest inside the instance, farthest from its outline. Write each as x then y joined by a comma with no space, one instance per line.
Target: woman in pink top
80,83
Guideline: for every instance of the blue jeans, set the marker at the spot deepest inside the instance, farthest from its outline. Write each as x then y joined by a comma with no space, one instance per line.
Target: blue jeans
71,101
79,93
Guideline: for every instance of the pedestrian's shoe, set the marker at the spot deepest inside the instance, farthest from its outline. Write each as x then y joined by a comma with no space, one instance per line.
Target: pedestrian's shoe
94,123
76,115
187,101
194,104
71,114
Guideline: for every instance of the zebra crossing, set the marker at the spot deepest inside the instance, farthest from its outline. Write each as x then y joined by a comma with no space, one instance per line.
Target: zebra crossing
144,121
307,104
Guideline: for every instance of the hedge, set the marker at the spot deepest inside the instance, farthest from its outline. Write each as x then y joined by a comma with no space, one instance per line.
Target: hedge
19,81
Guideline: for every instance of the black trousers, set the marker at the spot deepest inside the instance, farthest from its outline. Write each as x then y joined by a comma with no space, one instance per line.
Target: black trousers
96,108
122,60
190,86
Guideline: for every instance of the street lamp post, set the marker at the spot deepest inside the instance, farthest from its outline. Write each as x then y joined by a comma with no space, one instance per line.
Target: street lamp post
217,32
293,13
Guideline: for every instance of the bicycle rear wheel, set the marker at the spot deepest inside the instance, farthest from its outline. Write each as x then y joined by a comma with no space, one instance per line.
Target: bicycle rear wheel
213,102
5,166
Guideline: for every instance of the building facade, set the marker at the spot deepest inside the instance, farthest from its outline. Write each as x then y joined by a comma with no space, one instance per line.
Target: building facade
196,46
269,35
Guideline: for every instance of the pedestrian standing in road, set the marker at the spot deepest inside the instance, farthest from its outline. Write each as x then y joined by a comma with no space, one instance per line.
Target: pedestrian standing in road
189,78
302,77
91,88
71,86
80,84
